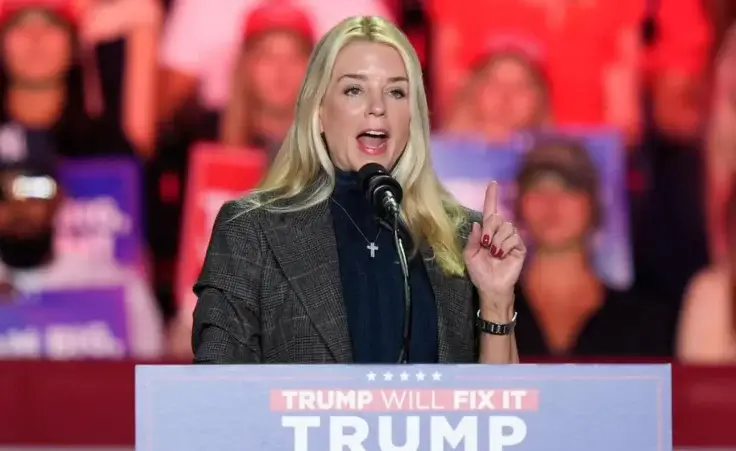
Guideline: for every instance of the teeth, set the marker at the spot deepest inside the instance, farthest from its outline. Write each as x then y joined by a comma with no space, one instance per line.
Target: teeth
376,134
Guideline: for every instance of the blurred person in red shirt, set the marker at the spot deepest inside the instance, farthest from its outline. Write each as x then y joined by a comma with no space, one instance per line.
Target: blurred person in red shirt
595,57
506,92
568,308
271,65
201,41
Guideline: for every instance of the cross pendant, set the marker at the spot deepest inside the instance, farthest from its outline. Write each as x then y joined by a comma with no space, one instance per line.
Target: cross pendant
373,248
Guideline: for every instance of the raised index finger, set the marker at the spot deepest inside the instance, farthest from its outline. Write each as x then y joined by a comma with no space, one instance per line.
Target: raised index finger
490,205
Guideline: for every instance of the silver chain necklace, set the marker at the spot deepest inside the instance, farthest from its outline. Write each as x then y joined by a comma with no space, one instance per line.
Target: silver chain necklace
371,244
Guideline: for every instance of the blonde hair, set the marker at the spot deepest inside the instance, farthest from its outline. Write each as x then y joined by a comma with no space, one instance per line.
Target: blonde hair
303,174
237,126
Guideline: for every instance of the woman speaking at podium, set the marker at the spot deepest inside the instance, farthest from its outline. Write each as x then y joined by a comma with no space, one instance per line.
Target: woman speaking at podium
302,271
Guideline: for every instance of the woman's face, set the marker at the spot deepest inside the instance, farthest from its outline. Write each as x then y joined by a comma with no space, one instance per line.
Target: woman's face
510,98
556,216
277,63
36,48
366,111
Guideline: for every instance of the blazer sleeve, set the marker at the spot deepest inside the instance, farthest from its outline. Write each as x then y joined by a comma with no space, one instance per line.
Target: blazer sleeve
473,216
226,327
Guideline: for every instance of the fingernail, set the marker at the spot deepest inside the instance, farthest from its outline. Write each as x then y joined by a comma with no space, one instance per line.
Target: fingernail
494,250
500,254
485,241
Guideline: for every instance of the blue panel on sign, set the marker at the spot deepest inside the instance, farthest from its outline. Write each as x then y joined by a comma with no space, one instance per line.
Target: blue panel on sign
417,407
68,324
102,213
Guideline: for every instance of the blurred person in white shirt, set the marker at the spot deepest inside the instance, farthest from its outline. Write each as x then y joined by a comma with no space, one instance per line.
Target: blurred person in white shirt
29,202
202,38
278,40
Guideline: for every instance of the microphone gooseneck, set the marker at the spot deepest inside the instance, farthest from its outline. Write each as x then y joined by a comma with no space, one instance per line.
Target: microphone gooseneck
399,246
384,194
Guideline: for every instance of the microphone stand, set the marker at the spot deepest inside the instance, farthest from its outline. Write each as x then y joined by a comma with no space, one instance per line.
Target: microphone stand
403,262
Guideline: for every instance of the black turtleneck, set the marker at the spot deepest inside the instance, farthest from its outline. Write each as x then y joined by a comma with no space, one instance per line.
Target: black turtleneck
373,287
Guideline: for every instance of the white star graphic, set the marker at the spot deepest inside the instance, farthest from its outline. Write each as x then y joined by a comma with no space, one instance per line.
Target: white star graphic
387,376
436,376
404,376
420,376
371,376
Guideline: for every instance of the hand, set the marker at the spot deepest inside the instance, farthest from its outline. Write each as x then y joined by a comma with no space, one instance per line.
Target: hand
494,256
107,21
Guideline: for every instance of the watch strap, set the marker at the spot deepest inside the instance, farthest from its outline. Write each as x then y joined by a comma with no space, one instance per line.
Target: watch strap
492,328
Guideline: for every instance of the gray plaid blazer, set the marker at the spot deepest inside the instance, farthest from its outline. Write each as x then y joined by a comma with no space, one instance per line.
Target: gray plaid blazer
270,292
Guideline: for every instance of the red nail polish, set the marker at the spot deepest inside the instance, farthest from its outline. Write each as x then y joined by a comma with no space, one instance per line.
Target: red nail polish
500,254
494,250
485,241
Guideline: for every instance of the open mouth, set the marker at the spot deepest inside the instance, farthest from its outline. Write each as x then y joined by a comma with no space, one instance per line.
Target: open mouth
373,142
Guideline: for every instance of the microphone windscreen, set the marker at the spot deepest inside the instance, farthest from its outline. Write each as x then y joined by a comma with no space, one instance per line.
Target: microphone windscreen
367,172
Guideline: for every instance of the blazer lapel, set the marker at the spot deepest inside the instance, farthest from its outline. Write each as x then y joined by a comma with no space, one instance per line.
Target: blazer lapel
304,245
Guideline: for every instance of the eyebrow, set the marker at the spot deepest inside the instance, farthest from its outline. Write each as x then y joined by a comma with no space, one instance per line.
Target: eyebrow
364,78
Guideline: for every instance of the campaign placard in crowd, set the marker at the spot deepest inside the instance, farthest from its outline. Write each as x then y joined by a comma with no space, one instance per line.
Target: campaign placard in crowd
101,216
216,174
466,166
416,408
68,324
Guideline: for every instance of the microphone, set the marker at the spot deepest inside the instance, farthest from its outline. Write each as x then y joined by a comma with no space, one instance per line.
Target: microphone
384,194
382,191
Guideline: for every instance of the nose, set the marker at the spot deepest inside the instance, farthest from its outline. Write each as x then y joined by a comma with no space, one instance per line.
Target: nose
36,30
377,106
506,95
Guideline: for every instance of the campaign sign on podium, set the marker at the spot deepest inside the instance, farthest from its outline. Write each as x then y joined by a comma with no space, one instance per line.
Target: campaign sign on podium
408,408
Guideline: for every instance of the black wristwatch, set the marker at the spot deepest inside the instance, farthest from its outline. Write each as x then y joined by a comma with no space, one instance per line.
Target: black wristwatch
495,328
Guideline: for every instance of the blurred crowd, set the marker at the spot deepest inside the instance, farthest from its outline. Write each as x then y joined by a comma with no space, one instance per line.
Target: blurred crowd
154,82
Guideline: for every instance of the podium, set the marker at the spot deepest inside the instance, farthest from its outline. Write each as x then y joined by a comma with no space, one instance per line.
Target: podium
406,408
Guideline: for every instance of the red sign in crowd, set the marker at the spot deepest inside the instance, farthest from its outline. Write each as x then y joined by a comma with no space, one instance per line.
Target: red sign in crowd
217,174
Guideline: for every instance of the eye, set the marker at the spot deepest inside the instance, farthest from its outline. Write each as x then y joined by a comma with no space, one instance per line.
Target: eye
352,91
397,93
